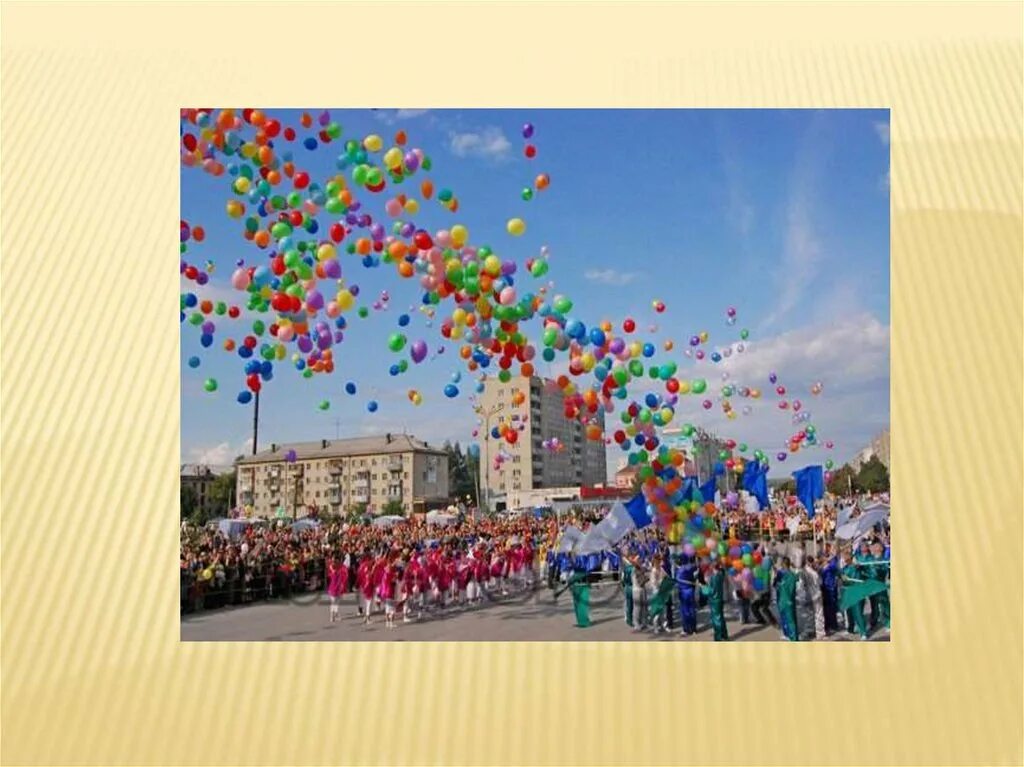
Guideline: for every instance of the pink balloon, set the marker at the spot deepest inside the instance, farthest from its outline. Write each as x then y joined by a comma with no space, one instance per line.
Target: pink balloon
240,279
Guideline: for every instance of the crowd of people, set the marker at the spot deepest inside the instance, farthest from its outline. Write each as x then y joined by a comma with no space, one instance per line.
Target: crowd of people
412,571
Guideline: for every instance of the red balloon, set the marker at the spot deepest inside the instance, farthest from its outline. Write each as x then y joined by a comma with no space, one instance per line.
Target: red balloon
253,382
337,232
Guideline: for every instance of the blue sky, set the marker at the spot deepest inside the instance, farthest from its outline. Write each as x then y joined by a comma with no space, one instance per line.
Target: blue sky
783,214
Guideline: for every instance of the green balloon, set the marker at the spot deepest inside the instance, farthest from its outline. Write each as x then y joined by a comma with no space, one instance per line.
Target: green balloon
744,334
210,384
324,404
698,385
396,342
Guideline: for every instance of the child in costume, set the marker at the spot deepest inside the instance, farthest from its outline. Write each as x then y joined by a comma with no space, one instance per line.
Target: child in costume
785,589
714,590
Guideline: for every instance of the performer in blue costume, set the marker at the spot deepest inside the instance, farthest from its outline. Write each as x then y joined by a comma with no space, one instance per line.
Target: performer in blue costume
686,583
830,592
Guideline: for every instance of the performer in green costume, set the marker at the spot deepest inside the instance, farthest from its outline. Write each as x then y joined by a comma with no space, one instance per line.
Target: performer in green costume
852,601
786,596
879,571
662,597
580,588
714,590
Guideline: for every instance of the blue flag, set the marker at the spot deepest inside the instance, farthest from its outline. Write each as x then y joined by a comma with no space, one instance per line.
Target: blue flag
707,491
690,488
810,486
758,483
750,470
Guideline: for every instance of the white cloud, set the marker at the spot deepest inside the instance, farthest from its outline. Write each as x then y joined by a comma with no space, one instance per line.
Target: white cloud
391,116
489,143
851,359
882,129
222,454
610,276
802,250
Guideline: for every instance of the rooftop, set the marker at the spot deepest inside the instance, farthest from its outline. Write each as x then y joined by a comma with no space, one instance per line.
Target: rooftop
339,448
203,470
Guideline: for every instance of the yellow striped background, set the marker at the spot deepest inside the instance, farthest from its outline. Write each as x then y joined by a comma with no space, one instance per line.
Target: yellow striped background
93,671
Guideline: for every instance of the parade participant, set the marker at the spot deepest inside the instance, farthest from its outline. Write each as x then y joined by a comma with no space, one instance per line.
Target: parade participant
714,590
366,586
786,597
744,591
812,589
686,585
879,571
626,581
386,589
661,588
639,588
337,580
410,589
852,601
579,587
463,569
480,574
830,591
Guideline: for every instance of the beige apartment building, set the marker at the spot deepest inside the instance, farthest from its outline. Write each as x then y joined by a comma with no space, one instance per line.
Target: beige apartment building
527,464
336,475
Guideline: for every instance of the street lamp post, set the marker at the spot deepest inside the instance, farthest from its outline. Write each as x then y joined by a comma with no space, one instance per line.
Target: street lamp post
486,414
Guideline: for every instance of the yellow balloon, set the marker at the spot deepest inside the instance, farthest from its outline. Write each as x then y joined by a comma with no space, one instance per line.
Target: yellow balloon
459,316
684,387
492,265
344,299
412,207
241,185
373,143
635,349
393,157
588,361
325,252
703,336
460,235
516,226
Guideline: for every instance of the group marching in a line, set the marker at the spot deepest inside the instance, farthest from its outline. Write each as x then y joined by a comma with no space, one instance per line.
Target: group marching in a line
413,582
806,597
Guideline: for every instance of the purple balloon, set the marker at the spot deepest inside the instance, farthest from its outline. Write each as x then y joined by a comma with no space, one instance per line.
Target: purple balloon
772,377
332,268
290,456
527,130
377,232
305,345
325,117
780,456
315,300
508,267
412,162
418,351
207,328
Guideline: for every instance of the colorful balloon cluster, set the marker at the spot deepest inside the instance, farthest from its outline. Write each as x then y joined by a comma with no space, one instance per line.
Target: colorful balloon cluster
302,296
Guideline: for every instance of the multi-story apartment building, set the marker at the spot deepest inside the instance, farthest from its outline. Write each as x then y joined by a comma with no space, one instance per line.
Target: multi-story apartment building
338,475
534,407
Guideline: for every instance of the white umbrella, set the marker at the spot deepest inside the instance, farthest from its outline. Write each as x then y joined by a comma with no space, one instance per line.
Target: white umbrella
862,525
387,520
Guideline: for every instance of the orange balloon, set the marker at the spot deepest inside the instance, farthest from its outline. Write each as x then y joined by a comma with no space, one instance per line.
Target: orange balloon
526,369
427,189
400,138
405,269
262,238
363,246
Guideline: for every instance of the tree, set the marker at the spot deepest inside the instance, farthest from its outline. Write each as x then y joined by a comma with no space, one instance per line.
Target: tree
461,472
188,501
842,480
357,510
394,507
873,477
221,494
